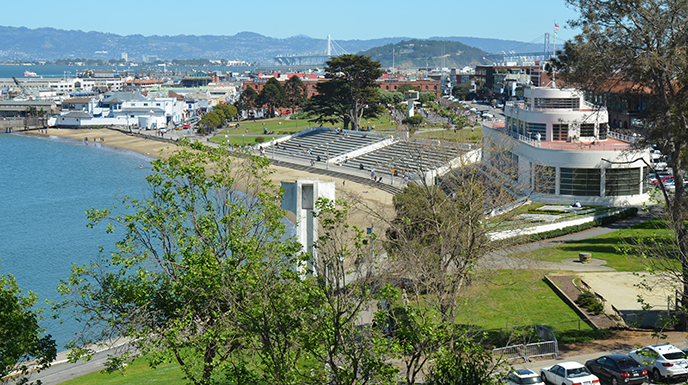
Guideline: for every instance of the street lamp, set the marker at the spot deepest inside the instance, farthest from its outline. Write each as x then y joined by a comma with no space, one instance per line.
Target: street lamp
273,148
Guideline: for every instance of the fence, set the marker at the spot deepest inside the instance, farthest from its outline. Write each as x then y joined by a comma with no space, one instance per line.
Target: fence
549,346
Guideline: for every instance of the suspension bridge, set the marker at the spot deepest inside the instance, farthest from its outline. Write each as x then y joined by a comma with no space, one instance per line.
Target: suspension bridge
333,49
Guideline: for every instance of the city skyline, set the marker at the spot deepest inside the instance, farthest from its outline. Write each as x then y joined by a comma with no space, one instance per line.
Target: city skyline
356,19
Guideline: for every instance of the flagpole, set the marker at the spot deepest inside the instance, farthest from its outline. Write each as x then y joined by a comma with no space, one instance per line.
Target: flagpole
554,50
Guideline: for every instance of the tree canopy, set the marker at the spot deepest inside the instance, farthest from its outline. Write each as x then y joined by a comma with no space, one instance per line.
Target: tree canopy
350,93
21,337
633,48
247,99
295,92
272,95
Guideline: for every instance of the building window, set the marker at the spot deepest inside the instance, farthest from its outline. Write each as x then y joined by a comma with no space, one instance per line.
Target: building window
145,104
537,128
603,130
545,179
564,103
579,181
508,123
560,132
587,130
621,181
646,180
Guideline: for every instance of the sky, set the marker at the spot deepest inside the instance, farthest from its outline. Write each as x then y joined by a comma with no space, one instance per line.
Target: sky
521,20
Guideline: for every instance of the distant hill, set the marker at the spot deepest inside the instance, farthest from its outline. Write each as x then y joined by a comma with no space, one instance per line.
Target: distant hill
417,53
496,45
51,44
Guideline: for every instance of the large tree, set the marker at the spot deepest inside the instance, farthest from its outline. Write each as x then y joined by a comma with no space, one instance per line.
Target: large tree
295,92
203,259
273,96
640,47
351,91
21,338
247,99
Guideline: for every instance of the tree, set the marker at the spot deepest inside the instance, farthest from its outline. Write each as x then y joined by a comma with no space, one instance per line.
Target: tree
192,272
427,97
640,47
407,87
295,91
467,363
344,284
247,99
351,91
210,120
273,95
438,236
460,91
227,112
20,334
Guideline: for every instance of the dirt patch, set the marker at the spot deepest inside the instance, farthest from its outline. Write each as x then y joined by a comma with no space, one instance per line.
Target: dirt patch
565,284
622,341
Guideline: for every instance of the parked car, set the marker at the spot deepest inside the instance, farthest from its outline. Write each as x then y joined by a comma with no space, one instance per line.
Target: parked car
568,373
618,369
523,377
653,177
663,361
664,179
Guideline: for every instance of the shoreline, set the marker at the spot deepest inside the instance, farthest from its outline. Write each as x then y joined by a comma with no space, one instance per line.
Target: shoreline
363,199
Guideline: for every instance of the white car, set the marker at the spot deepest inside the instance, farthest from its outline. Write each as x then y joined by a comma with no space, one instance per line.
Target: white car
568,373
663,361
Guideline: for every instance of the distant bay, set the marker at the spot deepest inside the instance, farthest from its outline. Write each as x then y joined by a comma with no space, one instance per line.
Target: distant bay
46,71
46,185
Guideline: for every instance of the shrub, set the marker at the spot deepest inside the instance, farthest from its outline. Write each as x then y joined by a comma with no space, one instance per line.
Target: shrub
413,120
590,302
260,139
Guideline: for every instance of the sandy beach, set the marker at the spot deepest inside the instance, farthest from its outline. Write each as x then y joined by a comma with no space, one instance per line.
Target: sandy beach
369,205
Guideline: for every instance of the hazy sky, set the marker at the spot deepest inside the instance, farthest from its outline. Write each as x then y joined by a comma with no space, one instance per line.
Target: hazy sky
522,20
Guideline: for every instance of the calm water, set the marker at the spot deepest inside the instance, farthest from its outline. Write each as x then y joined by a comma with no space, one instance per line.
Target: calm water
7,71
46,185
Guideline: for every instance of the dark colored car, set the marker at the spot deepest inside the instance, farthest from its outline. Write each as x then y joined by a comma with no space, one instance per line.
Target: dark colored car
618,369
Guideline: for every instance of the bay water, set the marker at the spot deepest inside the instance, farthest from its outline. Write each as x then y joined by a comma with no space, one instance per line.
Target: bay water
46,185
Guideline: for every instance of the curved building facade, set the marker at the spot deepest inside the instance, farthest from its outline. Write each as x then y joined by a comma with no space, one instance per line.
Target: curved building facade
558,149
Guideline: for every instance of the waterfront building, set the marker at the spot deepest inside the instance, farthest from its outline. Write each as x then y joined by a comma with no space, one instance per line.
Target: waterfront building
558,148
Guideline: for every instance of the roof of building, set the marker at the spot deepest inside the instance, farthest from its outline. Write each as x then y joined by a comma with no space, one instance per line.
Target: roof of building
77,114
77,101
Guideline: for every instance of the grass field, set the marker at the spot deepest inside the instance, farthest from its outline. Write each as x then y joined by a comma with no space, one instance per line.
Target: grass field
137,373
616,248
511,298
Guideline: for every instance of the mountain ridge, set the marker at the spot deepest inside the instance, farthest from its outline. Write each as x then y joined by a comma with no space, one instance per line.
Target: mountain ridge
46,43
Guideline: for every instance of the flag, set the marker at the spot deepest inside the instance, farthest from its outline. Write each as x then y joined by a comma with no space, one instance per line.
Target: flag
556,26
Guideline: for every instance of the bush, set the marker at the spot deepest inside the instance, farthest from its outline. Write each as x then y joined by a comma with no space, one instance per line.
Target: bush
260,139
414,120
627,213
590,302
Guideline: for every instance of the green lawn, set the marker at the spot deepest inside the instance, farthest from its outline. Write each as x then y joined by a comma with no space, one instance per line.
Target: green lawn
137,373
616,248
512,298
462,136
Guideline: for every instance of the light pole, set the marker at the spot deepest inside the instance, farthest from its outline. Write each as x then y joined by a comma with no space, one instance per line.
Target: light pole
327,161
273,148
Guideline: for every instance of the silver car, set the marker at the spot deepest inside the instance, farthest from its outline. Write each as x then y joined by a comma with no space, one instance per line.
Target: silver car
663,361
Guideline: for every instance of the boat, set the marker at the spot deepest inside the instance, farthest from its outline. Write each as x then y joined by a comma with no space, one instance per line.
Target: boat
30,73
